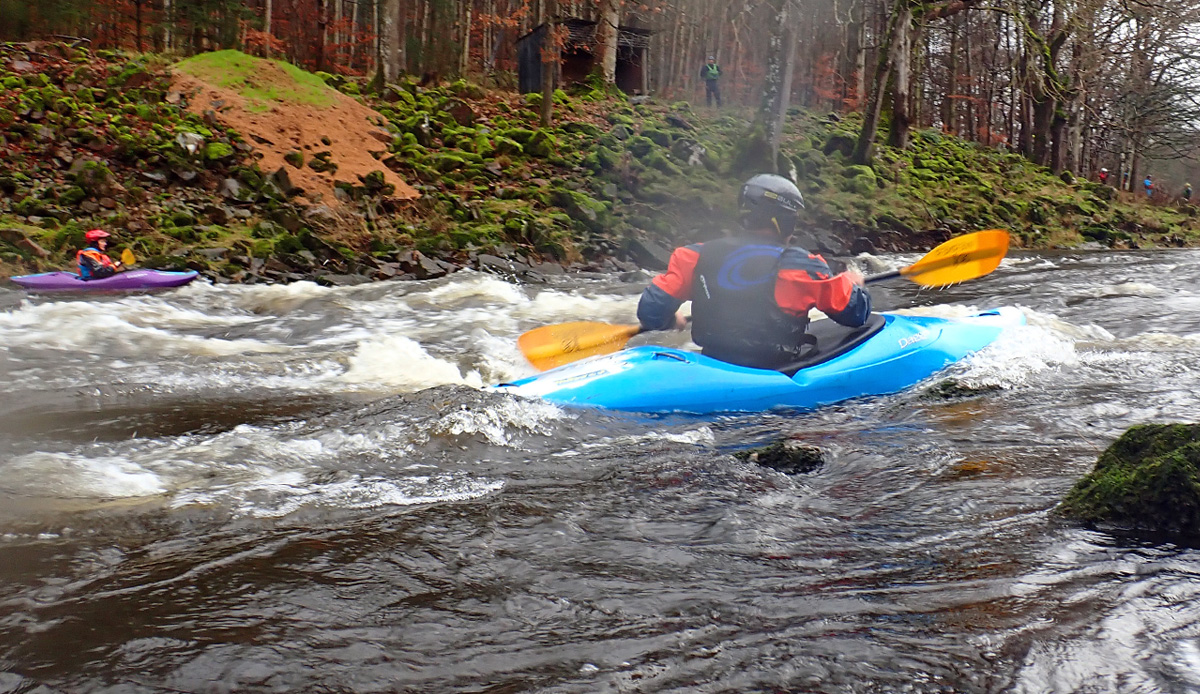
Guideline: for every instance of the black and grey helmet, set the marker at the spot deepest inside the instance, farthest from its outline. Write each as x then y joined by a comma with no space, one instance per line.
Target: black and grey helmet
770,201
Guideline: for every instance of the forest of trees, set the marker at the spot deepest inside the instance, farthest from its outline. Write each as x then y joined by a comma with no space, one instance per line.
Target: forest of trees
1072,84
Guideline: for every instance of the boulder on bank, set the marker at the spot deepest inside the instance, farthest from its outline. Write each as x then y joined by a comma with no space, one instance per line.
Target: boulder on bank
1149,478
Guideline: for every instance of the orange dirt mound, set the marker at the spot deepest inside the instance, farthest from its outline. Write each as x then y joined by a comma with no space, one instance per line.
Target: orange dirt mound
287,127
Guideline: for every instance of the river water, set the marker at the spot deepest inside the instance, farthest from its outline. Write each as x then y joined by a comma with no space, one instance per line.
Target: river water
305,489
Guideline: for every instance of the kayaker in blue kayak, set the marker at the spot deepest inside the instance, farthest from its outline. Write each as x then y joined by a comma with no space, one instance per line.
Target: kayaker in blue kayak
94,263
751,293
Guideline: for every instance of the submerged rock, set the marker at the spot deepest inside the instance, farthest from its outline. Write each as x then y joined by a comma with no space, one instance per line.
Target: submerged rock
1147,479
950,389
788,457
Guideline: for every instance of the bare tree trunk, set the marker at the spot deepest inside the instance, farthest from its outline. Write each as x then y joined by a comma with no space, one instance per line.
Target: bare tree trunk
137,23
894,41
389,40
607,21
168,24
339,39
949,109
464,61
970,113
401,35
901,84
550,60
322,32
267,11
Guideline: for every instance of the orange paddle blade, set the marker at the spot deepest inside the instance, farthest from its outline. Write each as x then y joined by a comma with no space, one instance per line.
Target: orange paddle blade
127,257
554,345
960,259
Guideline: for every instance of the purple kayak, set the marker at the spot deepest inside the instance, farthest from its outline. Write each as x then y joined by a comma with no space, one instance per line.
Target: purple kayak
130,279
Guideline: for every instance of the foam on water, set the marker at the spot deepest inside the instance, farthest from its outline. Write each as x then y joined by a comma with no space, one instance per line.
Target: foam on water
105,328
1142,289
495,421
400,362
554,306
287,492
278,299
475,287
69,476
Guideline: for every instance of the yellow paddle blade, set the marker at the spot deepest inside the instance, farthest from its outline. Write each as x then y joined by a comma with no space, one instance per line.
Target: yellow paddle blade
554,345
127,257
960,259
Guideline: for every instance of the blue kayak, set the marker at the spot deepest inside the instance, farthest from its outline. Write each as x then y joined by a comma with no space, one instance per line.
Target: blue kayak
890,353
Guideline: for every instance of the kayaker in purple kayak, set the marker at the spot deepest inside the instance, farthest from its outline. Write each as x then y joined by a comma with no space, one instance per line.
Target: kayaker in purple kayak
94,263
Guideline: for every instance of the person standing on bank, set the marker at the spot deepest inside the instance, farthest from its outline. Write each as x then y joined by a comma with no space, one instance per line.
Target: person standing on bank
751,293
710,72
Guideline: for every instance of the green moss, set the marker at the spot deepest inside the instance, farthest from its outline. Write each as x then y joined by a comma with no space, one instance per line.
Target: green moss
1148,478
262,248
216,151
244,74
592,213
506,145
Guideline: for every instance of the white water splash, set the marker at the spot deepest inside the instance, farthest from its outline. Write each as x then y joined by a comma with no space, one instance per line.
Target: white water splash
401,362
284,493
494,422
1142,289
67,476
110,327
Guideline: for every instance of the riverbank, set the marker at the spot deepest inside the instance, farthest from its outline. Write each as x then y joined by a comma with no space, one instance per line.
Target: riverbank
254,171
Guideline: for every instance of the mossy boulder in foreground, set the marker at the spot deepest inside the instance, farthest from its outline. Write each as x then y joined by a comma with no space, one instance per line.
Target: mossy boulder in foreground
1149,478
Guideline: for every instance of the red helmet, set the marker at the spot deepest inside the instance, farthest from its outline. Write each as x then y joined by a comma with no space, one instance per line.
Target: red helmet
96,235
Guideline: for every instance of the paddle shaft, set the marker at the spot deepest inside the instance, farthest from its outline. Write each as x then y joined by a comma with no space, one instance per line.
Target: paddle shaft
882,276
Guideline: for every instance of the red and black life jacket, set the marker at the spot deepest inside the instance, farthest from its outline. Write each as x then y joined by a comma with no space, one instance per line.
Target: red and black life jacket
735,316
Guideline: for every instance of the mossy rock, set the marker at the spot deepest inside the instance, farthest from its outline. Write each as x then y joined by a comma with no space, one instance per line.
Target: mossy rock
94,177
658,137
602,160
640,146
294,158
1148,478
541,145
182,218
507,145
810,163
72,196
592,213
656,159
262,248
860,185
582,128
216,151
521,136
467,90
840,142
859,170
449,162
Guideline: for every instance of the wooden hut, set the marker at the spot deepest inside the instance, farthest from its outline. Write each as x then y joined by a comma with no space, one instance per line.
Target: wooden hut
578,60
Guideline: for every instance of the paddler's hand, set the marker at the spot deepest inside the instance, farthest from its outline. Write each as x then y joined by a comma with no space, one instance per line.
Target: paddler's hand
855,277
681,321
